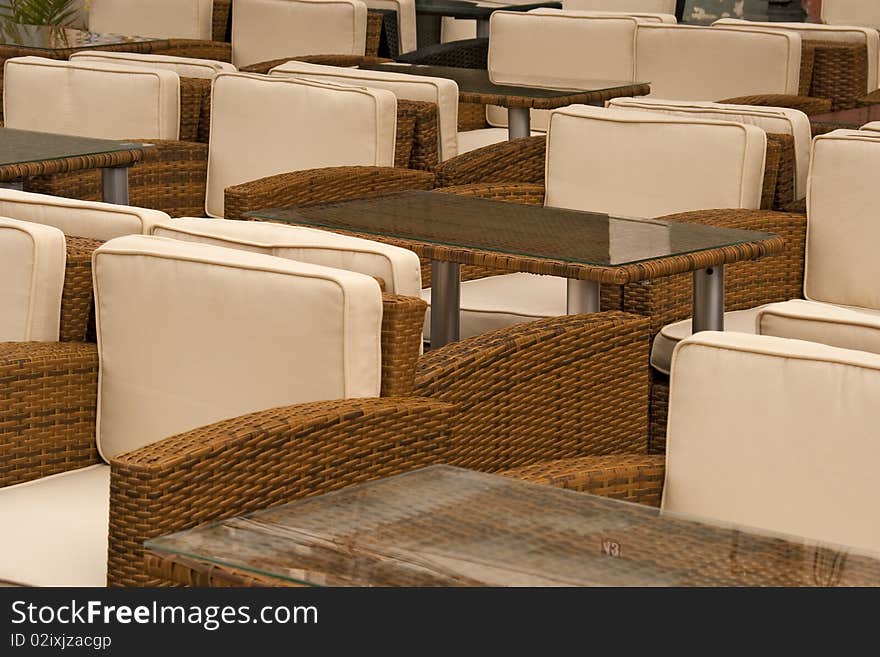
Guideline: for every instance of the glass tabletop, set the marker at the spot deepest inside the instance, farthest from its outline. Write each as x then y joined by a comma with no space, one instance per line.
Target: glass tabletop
22,146
449,526
44,37
476,81
533,231
478,8
854,118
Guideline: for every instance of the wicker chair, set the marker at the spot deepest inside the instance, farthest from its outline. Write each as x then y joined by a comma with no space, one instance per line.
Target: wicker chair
804,393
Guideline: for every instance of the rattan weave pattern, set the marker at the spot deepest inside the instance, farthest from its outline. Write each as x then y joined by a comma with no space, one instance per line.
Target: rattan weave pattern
515,161
77,298
12,172
840,72
576,97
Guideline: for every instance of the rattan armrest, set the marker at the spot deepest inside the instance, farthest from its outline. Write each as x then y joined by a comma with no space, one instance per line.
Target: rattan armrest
631,477
402,321
549,389
262,460
326,60
519,160
321,186
872,98
47,409
527,193
220,51
806,104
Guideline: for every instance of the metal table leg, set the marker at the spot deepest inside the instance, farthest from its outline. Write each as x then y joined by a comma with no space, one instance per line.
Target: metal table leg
482,28
709,299
582,297
518,122
445,302
115,182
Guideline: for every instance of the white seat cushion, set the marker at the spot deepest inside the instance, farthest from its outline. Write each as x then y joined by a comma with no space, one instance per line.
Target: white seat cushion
264,30
190,334
682,62
740,321
91,99
776,120
775,434
56,529
185,67
31,281
851,12
178,19
406,20
873,126
470,140
399,268
97,221
837,326
264,125
440,91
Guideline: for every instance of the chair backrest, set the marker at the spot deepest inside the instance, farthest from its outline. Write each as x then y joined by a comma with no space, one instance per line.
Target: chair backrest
773,120
185,67
91,219
774,433
398,268
689,62
263,125
643,16
91,99
440,91
851,12
406,20
264,30
652,6
189,334
651,164
864,36
31,281
843,229
180,19
873,126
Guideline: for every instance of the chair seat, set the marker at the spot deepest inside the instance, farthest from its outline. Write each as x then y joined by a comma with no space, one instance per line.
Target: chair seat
492,303
470,140
838,326
55,529
740,321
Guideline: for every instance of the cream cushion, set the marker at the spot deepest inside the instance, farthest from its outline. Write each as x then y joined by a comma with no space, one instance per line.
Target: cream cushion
179,19
406,20
777,120
440,91
399,268
265,125
688,62
838,326
868,37
843,228
90,99
185,67
775,434
57,529
264,30
97,221
644,16
642,6
457,29
189,334
873,125
717,164
851,12
31,281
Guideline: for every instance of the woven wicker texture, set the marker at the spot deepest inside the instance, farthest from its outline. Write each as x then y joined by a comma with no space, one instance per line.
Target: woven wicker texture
220,51
12,172
469,53
515,161
402,321
192,572
374,33
221,23
47,409
77,311
840,72
418,142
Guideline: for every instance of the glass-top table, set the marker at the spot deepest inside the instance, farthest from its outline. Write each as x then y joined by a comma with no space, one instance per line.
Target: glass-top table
849,119
25,153
429,14
474,86
587,248
445,526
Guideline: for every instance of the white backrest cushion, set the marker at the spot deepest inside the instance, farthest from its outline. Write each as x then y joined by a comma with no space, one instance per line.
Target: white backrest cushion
179,19
851,12
776,120
185,67
843,224
440,91
865,36
652,6
97,221
399,268
264,125
31,281
263,30
105,101
651,164
189,334
643,16
873,126
406,20
776,434
457,29
689,62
